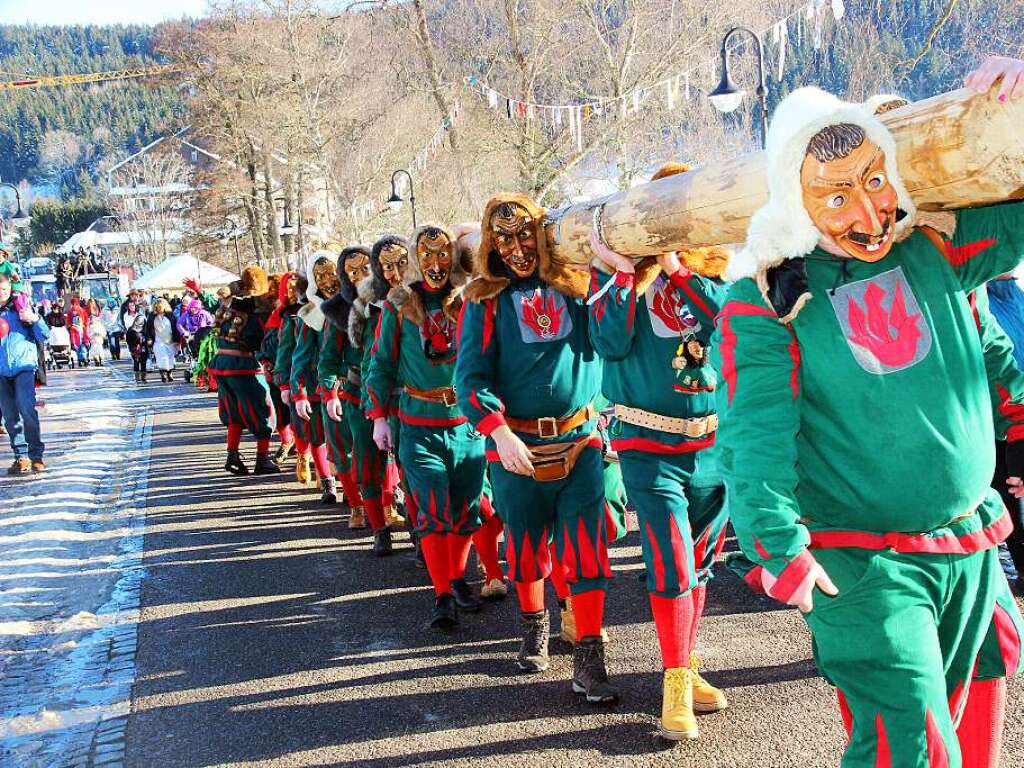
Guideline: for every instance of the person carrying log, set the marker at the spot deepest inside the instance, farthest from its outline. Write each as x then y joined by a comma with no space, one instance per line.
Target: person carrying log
652,324
526,377
856,432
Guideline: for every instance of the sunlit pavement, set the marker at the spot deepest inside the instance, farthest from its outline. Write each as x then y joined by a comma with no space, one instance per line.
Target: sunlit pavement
254,629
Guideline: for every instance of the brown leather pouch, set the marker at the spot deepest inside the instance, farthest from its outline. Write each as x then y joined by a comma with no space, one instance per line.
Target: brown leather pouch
555,461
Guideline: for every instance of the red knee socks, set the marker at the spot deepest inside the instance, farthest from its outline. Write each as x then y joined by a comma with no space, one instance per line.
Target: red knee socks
262,447
285,434
558,575
531,596
673,621
589,609
486,542
234,436
435,552
350,489
981,727
301,446
458,555
699,594
321,462
375,513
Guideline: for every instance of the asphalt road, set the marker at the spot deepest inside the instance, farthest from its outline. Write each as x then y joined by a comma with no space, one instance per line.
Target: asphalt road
268,636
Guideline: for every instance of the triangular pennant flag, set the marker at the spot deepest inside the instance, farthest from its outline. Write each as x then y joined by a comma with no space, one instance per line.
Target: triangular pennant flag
492,99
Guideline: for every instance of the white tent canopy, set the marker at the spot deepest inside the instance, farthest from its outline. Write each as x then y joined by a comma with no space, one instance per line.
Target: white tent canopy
169,274
91,237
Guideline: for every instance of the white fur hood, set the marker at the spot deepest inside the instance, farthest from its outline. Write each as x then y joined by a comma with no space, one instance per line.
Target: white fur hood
310,312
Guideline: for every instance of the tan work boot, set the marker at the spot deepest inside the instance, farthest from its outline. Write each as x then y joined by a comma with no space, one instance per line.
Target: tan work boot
567,631
357,518
706,698
392,518
303,471
677,719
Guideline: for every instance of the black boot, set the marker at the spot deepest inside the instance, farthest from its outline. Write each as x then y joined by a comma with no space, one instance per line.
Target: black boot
589,676
533,651
382,542
284,452
464,596
234,464
330,494
264,466
446,615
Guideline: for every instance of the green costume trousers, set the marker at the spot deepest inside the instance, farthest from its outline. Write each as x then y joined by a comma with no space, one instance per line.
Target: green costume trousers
614,501
312,431
571,512
339,440
242,399
444,470
681,511
370,462
900,642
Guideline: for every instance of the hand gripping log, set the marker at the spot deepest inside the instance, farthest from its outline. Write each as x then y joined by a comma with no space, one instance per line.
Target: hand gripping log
956,150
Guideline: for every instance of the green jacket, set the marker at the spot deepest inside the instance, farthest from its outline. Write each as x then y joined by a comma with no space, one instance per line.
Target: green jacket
870,413
304,381
285,349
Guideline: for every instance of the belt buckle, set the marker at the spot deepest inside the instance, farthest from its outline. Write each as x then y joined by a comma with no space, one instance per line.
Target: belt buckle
694,428
712,423
448,398
545,421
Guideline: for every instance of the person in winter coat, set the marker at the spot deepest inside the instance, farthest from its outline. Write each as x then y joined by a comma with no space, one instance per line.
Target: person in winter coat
79,339
20,331
138,346
111,318
76,308
163,338
57,316
97,333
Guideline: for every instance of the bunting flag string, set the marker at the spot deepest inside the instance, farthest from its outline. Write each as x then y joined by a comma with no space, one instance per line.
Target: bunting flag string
362,211
676,88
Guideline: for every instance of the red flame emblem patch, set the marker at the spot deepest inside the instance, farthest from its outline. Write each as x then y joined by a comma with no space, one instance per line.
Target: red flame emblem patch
542,314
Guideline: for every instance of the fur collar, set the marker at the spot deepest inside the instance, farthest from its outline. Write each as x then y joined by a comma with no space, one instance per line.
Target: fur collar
336,310
360,313
409,304
310,313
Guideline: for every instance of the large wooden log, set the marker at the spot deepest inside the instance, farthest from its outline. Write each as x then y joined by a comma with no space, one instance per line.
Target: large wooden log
956,150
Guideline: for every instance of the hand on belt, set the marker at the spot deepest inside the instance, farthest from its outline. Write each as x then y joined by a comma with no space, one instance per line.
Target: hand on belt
549,426
700,426
443,395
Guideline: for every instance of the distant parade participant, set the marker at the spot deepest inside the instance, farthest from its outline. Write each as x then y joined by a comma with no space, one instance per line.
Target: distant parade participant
389,260
321,284
652,323
163,337
267,357
442,455
293,293
242,391
856,435
526,377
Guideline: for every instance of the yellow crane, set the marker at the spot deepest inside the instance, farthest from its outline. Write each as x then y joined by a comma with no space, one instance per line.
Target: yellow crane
48,81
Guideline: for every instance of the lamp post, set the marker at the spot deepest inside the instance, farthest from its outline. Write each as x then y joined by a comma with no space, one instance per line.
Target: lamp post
20,218
395,201
727,97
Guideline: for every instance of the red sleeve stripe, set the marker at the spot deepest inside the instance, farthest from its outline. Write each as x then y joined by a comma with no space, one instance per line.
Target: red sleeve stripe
960,254
489,423
727,349
683,283
488,330
793,576
1013,412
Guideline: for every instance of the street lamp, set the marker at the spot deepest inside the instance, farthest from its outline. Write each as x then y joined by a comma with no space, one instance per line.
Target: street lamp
395,201
727,97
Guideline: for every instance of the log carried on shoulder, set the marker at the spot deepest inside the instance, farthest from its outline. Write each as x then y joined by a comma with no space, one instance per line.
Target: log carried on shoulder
956,150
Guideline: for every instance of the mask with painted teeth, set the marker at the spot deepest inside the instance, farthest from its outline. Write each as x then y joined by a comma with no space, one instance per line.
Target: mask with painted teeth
325,276
394,259
515,237
434,253
849,198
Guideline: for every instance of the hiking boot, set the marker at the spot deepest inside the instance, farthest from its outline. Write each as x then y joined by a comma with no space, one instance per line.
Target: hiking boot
391,517
464,596
265,465
589,678
303,473
38,466
446,615
20,467
284,452
234,464
677,718
382,542
533,651
567,628
357,518
706,698
495,589
330,494
421,561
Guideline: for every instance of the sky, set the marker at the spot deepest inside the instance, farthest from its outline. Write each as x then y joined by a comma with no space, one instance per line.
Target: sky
97,11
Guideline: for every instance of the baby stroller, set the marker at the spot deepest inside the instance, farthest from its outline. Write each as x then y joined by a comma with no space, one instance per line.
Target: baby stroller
59,349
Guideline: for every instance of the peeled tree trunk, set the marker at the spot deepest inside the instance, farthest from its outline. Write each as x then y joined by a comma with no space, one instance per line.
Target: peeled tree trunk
956,150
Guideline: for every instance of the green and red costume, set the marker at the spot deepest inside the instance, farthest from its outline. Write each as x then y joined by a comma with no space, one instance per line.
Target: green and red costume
640,324
267,358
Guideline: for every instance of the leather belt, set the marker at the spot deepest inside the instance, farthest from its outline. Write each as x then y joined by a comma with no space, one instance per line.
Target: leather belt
443,395
700,426
234,353
549,426
354,377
